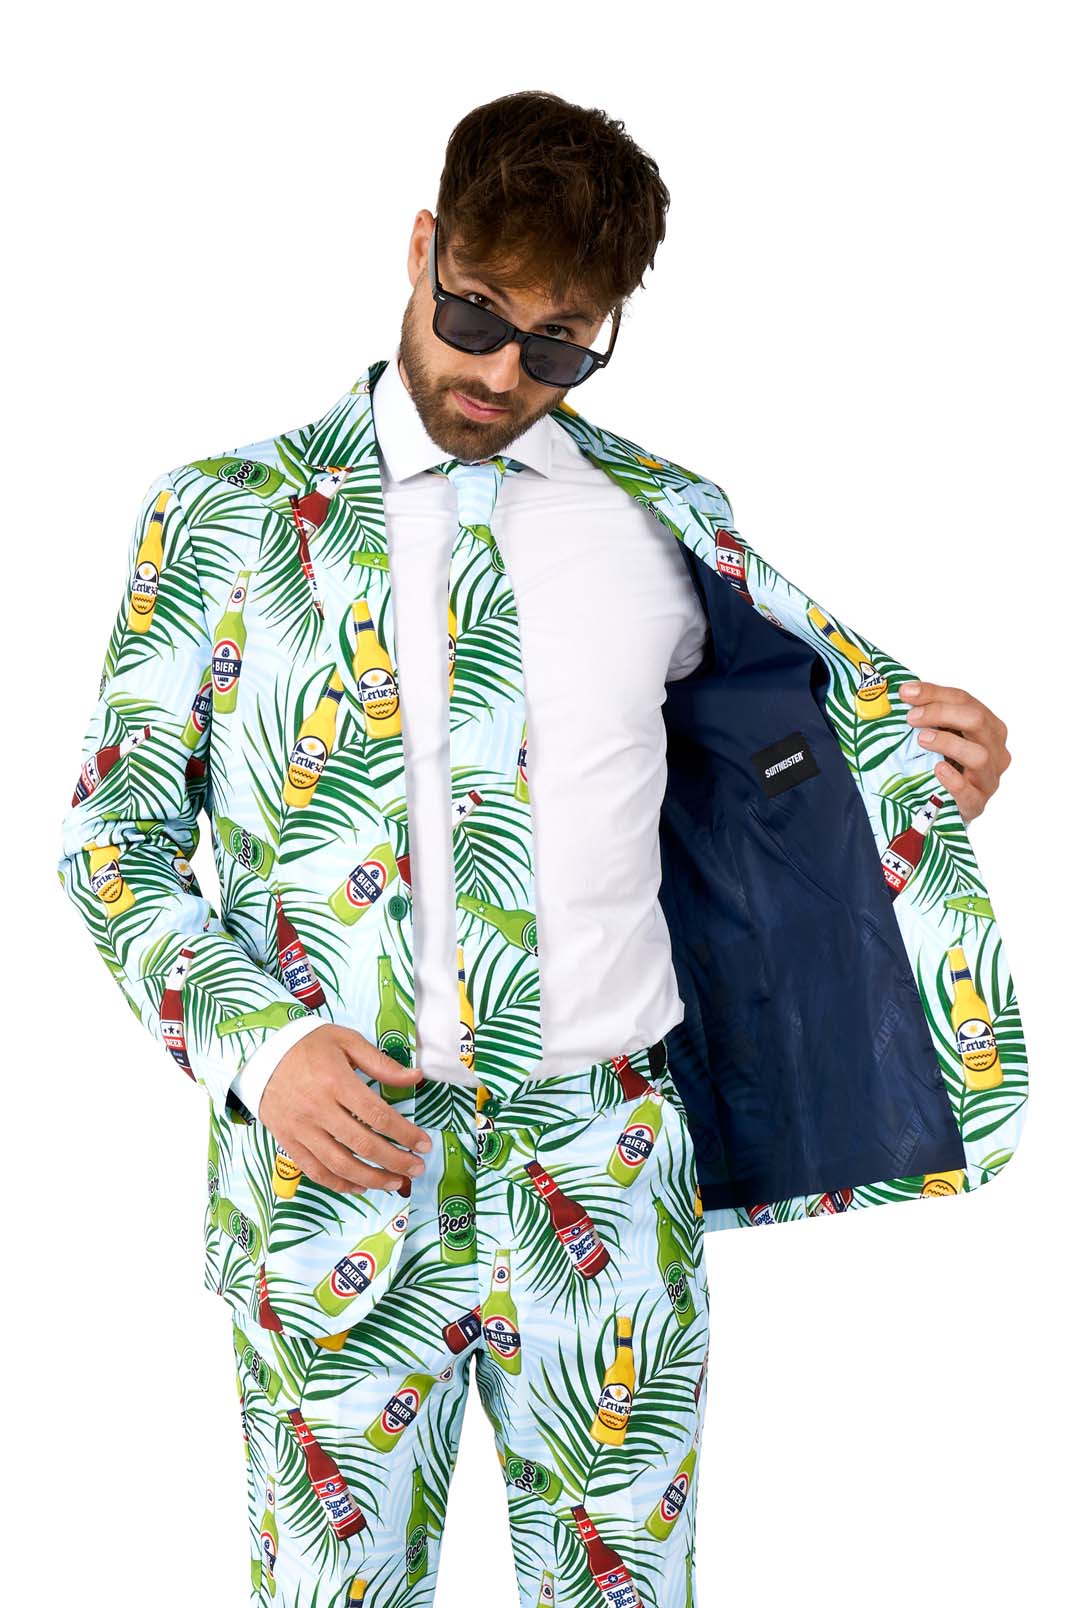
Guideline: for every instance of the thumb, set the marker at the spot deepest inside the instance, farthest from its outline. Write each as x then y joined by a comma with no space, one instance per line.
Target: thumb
362,1053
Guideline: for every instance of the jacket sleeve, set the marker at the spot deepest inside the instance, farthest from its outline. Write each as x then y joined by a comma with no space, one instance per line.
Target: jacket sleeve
132,824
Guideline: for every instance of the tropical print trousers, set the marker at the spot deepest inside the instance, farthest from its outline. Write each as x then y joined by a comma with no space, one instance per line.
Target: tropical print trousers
554,1247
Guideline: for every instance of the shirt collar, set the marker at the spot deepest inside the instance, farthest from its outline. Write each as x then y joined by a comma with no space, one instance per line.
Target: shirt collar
406,447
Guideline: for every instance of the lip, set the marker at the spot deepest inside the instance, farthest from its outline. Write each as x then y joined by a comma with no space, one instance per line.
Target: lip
473,409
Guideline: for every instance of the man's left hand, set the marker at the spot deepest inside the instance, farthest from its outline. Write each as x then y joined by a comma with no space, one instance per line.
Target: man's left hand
955,724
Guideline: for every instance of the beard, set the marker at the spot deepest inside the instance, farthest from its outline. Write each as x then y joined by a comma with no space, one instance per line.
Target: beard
448,427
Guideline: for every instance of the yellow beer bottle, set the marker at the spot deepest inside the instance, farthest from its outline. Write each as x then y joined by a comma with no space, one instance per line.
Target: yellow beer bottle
975,1042
468,1016
872,693
287,1175
451,642
375,678
617,1392
148,562
357,1591
107,879
312,747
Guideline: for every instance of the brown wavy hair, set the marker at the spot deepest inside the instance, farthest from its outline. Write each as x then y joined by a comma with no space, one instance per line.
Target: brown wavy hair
537,191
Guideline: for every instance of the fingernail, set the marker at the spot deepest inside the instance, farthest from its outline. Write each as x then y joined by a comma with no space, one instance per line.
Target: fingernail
423,1143
909,688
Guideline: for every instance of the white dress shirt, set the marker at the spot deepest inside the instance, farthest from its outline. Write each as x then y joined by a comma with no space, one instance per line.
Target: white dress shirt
605,604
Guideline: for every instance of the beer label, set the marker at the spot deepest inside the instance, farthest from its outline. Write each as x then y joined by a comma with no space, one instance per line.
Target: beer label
729,559
761,1214
225,664
202,708
976,1044
296,972
677,1287
378,693
352,1274
144,588
617,1588
635,1144
457,1223
527,1475
243,472
366,882
268,1545
400,1410
580,1240
246,850
784,764
502,1335
897,870
307,761
674,1498
415,1548
613,1408
107,882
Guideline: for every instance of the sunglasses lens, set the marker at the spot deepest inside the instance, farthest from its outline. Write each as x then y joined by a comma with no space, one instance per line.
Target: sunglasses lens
471,329
555,362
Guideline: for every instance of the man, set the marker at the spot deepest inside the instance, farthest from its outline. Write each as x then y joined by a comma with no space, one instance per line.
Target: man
461,710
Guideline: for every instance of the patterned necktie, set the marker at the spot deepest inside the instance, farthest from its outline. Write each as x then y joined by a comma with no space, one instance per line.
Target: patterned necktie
491,820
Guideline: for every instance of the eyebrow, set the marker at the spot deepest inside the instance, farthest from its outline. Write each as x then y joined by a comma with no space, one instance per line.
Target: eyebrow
552,318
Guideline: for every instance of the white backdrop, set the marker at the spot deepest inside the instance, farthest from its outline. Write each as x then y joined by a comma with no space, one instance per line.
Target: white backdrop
863,326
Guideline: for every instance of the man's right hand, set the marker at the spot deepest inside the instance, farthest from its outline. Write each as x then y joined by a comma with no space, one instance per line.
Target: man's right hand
326,1117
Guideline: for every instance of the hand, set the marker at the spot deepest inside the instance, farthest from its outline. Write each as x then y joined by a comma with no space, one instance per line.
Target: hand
967,731
320,1112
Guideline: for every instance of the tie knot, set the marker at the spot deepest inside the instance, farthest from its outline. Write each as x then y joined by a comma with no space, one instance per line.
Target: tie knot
477,484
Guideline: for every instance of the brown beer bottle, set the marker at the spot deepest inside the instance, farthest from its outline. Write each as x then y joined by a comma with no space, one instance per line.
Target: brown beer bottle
572,1223
328,1482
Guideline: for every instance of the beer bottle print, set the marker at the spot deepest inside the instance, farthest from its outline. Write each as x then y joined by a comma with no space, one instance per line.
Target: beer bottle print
517,926
107,879
617,1392
461,1332
294,964
975,1042
268,1318
635,1144
357,1591
609,1572
268,1536
416,1535
356,1270
247,473
249,851
573,1226
327,1481
145,579
202,705
313,745
98,766
900,858
546,1599
385,1430
365,884
872,693
375,679
172,1010
946,1183
467,1044
252,1362
287,1175
247,1234
671,1261
228,652
499,1316
457,1204
662,1519
275,1015
531,1476
392,1028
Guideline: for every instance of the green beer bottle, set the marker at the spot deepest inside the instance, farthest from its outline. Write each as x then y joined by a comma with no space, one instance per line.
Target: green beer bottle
532,1477
247,473
228,653
268,1535
662,1519
268,1381
671,1261
392,1028
213,1170
240,1228
199,718
385,1430
356,1270
370,558
416,1534
252,852
521,780
365,884
518,927
546,1599
635,1144
495,1147
457,1204
499,1317
275,1015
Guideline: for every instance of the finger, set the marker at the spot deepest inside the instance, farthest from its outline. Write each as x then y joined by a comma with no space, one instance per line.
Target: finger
375,1062
354,1094
965,712
354,1132
313,1168
340,1159
968,755
970,801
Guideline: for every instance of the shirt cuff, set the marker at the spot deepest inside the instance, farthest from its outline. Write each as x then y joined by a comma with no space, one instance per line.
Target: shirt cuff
254,1075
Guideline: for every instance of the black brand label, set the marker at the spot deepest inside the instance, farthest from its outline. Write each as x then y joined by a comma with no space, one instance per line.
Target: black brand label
784,764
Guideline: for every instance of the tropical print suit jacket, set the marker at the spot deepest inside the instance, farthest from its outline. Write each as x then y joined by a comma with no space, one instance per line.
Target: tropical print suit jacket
851,1032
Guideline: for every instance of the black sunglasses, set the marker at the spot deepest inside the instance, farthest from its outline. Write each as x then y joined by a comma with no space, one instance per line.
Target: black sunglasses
469,328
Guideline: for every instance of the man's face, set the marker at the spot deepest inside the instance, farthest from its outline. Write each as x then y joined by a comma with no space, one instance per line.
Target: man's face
435,373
